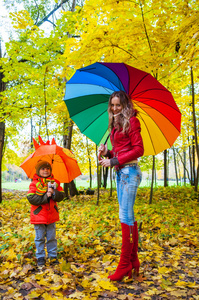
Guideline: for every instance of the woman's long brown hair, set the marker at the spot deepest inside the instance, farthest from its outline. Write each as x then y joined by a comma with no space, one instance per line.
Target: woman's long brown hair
123,120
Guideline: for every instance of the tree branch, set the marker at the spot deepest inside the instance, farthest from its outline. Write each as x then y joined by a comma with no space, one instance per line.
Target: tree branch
37,11
183,164
51,13
145,26
116,46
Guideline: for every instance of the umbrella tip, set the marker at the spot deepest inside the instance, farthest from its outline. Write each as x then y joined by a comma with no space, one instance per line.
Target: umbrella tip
41,141
53,142
36,145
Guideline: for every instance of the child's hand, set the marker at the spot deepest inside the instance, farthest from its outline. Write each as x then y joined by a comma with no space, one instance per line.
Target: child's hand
50,192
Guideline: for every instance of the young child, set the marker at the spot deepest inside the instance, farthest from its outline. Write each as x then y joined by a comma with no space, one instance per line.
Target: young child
43,195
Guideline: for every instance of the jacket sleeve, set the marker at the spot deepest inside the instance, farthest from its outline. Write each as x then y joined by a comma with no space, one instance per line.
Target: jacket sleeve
59,196
33,198
109,154
37,200
137,149
59,193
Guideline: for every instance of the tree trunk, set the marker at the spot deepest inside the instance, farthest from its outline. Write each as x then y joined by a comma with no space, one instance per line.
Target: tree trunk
155,178
2,128
175,165
2,135
111,181
72,188
67,139
105,177
195,127
31,134
179,173
194,162
185,170
100,175
190,164
89,162
165,169
184,154
152,180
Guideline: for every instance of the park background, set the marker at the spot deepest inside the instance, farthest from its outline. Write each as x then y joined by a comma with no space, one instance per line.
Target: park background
47,41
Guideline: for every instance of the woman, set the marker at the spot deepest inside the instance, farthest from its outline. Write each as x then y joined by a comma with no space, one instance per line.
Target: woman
127,146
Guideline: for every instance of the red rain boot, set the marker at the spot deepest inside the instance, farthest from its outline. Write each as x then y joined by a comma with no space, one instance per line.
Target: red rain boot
134,254
124,267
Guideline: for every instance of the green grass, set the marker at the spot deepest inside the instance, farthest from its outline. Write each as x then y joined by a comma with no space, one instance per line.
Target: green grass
80,184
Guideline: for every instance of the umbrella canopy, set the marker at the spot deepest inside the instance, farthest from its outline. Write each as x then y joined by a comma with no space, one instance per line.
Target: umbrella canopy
63,162
88,91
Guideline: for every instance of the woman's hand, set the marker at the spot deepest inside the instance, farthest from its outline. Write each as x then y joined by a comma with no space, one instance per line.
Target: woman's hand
102,150
105,162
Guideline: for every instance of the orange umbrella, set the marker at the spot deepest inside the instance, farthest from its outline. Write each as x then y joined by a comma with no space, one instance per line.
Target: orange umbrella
63,162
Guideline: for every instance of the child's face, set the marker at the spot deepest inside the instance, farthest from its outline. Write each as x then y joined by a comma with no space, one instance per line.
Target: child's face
44,172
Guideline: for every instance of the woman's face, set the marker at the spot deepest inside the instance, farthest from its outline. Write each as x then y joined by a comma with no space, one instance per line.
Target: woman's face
116,106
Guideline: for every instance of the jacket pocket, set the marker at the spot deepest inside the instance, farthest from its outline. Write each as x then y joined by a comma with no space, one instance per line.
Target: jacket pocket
37,210
56,208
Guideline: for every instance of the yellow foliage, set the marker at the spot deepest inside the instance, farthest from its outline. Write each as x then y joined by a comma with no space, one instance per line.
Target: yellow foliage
107,285
94,249
22,19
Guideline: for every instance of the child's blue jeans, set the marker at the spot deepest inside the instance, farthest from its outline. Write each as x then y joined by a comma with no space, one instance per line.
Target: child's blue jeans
128,180
46,233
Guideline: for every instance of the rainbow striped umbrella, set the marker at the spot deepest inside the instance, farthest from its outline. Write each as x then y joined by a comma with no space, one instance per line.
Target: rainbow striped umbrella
88,91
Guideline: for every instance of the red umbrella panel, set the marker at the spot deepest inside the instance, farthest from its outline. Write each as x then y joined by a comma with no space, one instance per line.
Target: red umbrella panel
64,165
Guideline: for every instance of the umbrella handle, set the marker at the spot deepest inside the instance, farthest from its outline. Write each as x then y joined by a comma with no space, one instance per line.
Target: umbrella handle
52,185
107,139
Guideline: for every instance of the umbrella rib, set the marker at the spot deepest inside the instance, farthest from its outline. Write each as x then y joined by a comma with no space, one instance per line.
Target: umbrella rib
84,109
139,114
147,131
119,80
137,103
138,82
149,99
80,83
153,89
149,107
93,121
85,71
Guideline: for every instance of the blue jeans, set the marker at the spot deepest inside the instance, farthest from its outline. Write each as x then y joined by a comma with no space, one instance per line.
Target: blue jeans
45,232
128,180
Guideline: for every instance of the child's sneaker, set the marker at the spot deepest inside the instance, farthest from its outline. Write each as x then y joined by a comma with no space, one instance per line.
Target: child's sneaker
41,262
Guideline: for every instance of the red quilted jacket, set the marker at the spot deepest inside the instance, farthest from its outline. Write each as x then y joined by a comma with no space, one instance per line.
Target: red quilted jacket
44,210
127,147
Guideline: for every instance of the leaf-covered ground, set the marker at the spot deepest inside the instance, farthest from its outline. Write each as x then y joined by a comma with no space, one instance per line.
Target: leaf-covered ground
89,242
